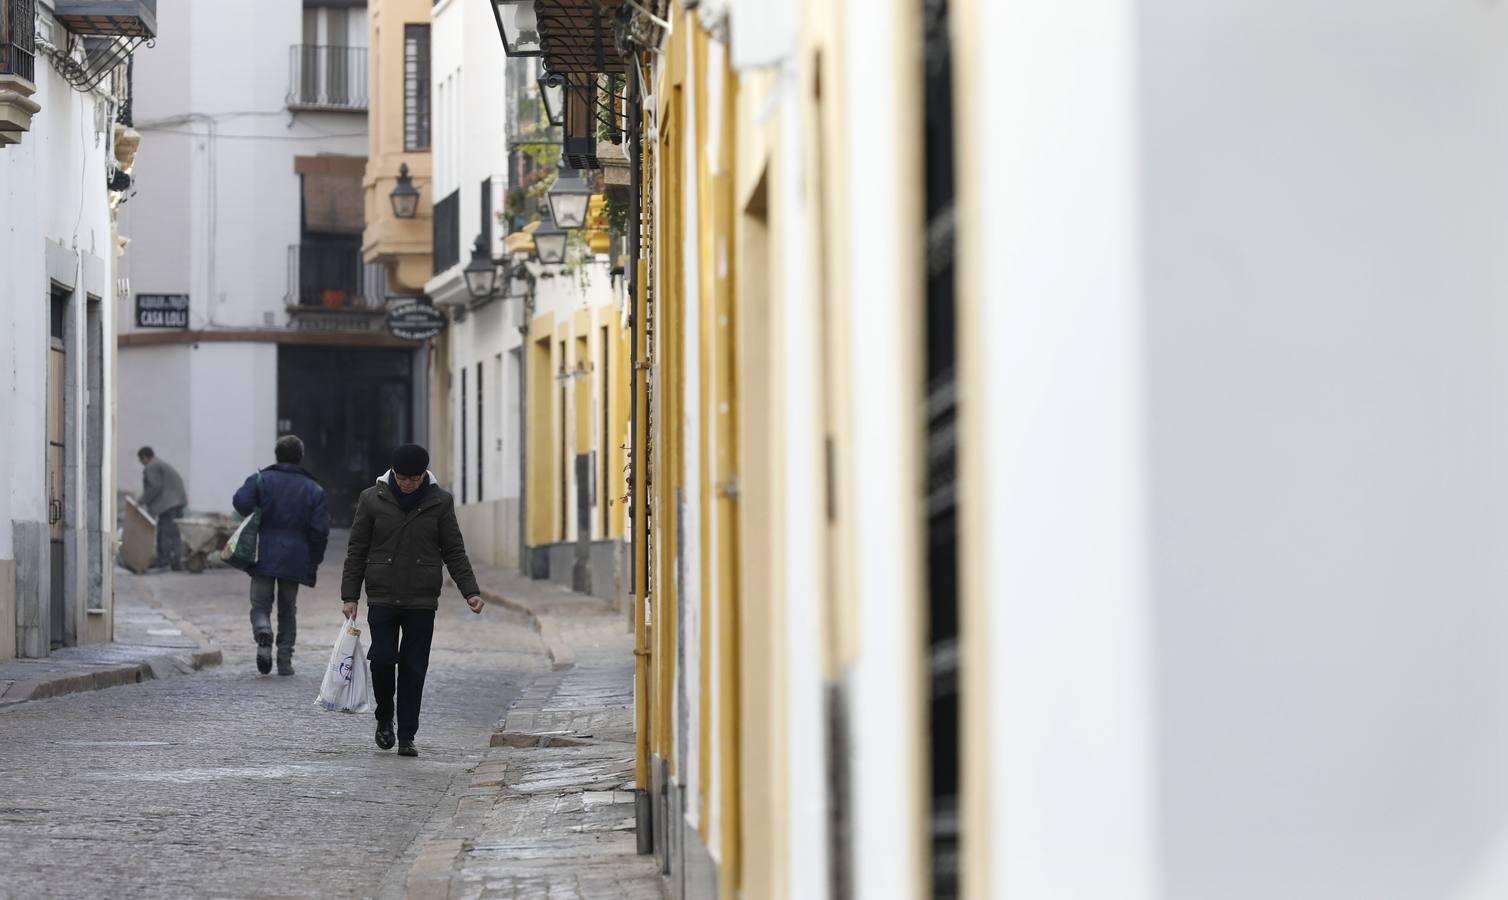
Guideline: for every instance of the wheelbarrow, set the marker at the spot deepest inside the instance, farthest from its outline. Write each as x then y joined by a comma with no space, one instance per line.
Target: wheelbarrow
203,537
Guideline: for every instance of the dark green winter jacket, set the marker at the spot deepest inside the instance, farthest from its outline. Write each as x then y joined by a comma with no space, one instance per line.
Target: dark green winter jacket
399,556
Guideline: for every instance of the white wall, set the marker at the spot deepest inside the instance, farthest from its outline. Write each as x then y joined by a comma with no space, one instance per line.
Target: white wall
225,180
1247,327
469,91
153,412
23,339
184,407
220,208
1325,334
216,211
56,228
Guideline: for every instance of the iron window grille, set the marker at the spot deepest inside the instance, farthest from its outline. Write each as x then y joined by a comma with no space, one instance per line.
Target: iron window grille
940,419
416,87
332,275
327,77
18,38
447,232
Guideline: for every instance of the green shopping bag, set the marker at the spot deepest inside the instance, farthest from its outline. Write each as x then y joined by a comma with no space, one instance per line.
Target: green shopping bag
241,550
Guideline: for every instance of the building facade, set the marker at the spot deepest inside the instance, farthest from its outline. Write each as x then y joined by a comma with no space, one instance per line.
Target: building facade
529,422
66,159
400,135
255,224
1062,445
479,415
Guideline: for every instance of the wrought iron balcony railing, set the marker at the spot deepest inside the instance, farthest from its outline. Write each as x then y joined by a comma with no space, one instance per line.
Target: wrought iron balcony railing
333,276
323,77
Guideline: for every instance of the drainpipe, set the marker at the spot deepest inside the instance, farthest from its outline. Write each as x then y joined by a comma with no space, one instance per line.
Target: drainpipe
643,808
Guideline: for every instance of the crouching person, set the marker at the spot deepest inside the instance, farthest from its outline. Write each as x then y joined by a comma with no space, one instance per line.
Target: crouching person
405,529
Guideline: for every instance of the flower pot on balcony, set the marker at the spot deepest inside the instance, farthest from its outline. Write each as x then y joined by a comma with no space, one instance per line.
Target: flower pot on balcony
332,299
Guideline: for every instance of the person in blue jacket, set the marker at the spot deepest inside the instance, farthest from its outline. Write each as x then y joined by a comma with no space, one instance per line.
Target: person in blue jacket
295,527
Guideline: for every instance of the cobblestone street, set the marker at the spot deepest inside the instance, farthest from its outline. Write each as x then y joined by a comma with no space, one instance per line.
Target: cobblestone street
225,783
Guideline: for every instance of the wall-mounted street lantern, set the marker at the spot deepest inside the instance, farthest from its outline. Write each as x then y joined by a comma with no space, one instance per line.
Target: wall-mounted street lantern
405,196
518,26
552,95
521,282
569,197
481,272
549,242
578,135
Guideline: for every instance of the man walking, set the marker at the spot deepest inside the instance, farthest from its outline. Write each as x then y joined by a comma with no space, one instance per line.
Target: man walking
295,528
163,496
405,528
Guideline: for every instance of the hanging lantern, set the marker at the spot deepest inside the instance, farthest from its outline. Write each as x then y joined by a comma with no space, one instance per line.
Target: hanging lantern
569,197
518,25
481,272
552,95
405,197
549,242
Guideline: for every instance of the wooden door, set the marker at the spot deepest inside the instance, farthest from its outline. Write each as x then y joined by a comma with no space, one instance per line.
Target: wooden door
57,380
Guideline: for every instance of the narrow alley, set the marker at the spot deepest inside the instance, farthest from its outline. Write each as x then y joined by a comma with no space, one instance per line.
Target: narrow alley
229,783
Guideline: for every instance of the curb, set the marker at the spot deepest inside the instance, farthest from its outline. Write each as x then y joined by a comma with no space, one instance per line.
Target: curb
149,669
559,652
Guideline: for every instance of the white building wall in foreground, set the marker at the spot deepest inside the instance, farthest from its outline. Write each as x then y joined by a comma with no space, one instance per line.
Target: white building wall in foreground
1245,299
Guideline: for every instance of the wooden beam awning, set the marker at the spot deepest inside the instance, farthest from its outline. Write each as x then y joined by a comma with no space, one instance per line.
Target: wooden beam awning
578,36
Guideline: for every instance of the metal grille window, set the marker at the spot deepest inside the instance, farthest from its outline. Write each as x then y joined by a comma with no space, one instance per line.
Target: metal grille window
416,87
941,414
463,434
481,454
447,232
18,42
321,77
486,205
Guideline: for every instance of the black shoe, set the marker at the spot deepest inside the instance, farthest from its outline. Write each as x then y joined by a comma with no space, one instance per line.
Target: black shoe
406,748
385,736
264,653
285,665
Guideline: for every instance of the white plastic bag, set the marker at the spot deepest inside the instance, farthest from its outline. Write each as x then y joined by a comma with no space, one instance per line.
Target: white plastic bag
348,684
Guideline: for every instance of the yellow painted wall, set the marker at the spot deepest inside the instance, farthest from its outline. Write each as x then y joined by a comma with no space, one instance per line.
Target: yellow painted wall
541,437
403,244
668,303
761,733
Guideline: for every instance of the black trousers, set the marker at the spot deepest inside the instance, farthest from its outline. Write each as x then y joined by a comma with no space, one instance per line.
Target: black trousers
400,640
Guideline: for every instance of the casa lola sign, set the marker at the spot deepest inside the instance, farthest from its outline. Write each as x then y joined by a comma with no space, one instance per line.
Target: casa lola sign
414,321
162,310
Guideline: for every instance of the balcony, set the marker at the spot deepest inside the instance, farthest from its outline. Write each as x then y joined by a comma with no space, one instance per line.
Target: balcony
332,277
109,18
327,78
18,49
17,70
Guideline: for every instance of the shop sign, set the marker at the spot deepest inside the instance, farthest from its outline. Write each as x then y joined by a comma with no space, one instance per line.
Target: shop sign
414,321
162,310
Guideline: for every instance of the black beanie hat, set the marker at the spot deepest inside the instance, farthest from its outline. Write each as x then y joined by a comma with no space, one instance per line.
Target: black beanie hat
410,460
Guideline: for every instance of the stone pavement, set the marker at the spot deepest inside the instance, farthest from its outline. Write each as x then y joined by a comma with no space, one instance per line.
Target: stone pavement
549,811
228,783
233,784
150,642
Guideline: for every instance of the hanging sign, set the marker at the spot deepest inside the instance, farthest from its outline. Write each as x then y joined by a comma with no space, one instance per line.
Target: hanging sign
162,310
414,321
